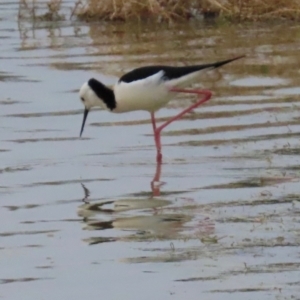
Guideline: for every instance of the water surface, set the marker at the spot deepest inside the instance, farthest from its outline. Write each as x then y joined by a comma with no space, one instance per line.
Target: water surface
82,217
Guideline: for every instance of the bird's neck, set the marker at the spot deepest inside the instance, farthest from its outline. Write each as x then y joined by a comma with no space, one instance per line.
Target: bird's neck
104,93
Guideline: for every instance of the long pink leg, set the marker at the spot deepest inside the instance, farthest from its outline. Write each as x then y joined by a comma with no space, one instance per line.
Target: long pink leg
156,139
157,130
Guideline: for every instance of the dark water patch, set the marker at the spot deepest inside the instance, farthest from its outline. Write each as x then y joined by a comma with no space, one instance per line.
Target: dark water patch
259,202
62,139
49,221
268,268
51,203
238,141
266,199
171,258
162,194
215,249
74,66
63,182
4,77
235,128
283,169
289,150
9,102
292,197
246,219
47,114
27,206
277,136
173,254
65,66
33,246
40,130
25,279
253,182
244,290
263,243
33,232
104,153
15,169
44,267
211,278
99,240
296,283
291,100
237,113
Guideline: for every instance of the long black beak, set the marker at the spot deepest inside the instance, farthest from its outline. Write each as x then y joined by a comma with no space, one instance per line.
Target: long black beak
85,114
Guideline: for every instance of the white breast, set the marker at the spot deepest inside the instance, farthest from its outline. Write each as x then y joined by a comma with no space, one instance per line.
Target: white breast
148,94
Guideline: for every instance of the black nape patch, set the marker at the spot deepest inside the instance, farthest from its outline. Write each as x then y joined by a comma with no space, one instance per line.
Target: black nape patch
104,93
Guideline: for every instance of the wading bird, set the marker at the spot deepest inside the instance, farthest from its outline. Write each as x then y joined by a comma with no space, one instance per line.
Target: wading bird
147,88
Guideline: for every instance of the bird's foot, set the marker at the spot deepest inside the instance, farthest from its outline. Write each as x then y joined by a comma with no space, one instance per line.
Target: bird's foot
155,187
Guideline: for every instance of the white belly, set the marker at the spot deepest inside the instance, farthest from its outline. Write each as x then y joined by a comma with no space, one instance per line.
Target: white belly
148,94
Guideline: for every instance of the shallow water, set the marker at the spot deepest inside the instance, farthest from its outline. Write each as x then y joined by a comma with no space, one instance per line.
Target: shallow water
80,217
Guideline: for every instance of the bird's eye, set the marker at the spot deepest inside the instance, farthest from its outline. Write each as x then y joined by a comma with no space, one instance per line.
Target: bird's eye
82,99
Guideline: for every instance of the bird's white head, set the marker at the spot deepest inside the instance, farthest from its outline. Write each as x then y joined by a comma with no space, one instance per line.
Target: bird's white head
94,93
88,97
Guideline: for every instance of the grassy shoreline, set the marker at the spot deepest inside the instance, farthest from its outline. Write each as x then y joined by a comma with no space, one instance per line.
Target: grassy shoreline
164,10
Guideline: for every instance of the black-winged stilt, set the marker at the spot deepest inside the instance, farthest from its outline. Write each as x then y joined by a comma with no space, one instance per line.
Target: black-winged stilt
147,88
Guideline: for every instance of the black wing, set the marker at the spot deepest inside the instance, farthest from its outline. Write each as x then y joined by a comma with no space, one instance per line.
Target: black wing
170,72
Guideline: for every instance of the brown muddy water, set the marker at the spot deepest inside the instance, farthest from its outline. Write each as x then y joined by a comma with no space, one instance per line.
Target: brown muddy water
80,218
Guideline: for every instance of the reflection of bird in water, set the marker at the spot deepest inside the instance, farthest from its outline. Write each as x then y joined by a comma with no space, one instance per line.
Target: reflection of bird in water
162,225
86,193
88,209
149,221
149,89
138,228
157,223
